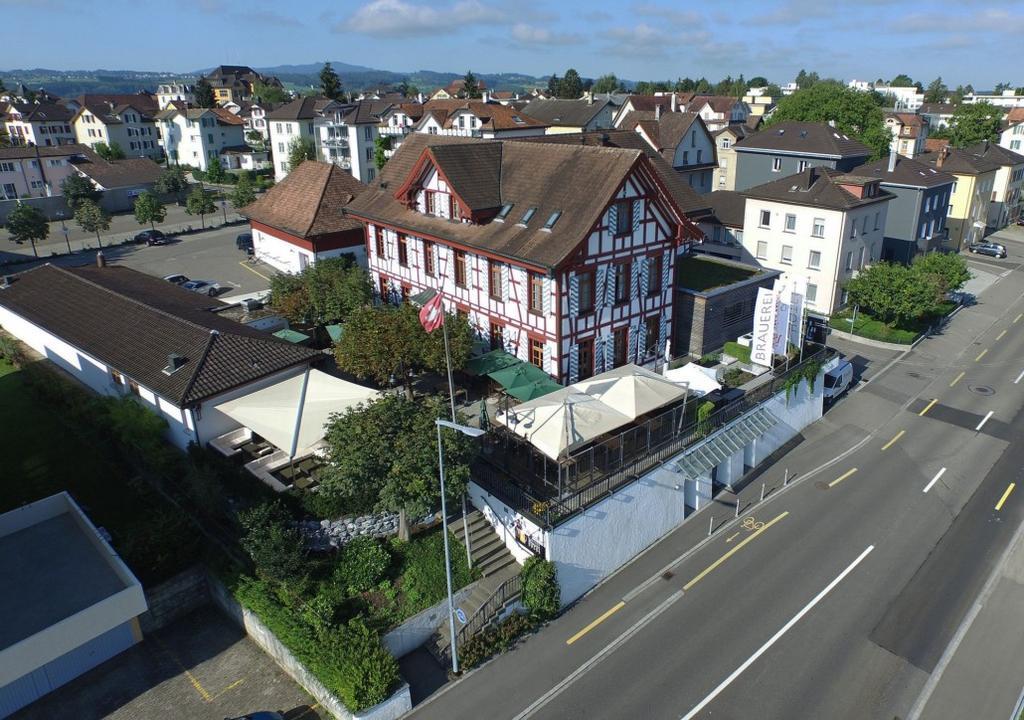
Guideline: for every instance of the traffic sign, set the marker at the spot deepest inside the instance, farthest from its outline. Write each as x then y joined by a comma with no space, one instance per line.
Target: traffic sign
460,615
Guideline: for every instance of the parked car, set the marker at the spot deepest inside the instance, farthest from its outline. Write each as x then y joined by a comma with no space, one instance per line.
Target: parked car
988,248
151,237
244,241
178,279
204,287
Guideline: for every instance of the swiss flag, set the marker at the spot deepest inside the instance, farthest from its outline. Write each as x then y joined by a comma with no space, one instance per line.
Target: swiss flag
432,314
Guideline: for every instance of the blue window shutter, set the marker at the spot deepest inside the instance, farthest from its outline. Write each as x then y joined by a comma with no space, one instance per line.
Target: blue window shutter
608,346
609,286
662,334
635,272
574,295
506,272
546,289
613,217
641,338
666,271
599,290
632,344
644,265
638,213
574,363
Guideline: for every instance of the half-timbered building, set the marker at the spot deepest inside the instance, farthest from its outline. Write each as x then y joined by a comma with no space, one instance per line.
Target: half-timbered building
561,254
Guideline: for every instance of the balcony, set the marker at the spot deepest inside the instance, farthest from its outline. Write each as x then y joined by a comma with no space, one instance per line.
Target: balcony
399,130
335,141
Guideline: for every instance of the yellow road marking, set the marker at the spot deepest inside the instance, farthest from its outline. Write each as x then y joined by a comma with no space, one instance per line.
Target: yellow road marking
842,477
981,355
1000,335
732,552
1018,317
999,505
928,407
600,619
251,269
232,686
896,437
957,379
731,537
199,688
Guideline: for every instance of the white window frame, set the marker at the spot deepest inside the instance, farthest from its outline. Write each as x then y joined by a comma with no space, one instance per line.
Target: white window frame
762,250
761,222
811,265
786,255
776,164
789,226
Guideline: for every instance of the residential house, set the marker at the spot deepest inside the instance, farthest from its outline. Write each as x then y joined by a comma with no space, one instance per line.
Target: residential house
672,102
902,98
937,115
294,121
916,220
42,124
972,193
198,136
505,97
122,333
232,83
561,254
571,116
1006,99
143,100
167,93
909,133
456,89
254,119
759,102
397,121
1011,136
860,85
121,181
1007,205
717,111
28,171
475,118
682,139
790,88
722,227
789,147
725,140
822,224
133,127
300,221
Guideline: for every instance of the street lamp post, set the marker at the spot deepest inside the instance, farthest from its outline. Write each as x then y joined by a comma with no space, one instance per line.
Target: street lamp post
471,432
64,229
224,209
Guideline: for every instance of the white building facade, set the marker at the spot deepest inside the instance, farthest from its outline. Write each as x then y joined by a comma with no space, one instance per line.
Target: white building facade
198,136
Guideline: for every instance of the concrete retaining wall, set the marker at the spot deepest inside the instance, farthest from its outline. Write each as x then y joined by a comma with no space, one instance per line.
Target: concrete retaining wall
415,631
174,598
391,709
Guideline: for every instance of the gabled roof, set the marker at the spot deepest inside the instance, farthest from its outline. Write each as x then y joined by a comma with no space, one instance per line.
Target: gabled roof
1014,117
906,172
577,181
804,137
473,171
131,322
303,108
996,153
41,112
736,130
564,113
110,113
22,152
721,104
817,187
144,101
665,133
937,109
308,202
493,116
958,162
116,173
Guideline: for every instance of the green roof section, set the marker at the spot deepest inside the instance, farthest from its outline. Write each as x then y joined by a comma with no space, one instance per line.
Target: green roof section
334,332
292,336
490,362
535,389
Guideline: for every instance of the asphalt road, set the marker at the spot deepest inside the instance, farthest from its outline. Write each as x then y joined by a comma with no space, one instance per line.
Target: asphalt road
842,604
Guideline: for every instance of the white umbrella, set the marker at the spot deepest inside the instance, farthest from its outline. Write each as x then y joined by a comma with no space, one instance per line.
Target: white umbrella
557,423
632,390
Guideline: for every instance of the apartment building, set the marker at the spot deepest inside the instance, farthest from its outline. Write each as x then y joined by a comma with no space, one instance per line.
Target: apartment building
43,124
973,190
131,126
682,139
199,136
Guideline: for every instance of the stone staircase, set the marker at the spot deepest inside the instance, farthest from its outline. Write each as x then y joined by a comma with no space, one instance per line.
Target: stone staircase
495,563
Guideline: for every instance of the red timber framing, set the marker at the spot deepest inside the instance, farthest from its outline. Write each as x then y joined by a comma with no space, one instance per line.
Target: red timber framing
318,243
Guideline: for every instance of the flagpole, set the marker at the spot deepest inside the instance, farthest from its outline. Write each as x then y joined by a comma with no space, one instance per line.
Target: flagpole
451,397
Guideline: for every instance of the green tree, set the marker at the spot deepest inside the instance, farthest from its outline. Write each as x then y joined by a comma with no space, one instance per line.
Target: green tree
77,188
854,113
541,594
553,85
367,671
806,80
973,123
685,85
91,218
381,144
27,223
407,89
215,172
203,93
243,193
702,87
643,88
773,91
901,80
324,293
300,150
571,86
758,81
948,271
894,293
330,83
273,542
149,209
110,152
956,96
606,84
936,92
270,93
172,181
1000,87
470,86
199,203
254,138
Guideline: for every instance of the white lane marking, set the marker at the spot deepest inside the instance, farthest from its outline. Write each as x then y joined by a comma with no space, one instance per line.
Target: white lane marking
935,479
985,419
775,638
604,652
1019,377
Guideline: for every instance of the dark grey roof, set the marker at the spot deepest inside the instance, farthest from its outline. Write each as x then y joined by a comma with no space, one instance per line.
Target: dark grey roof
571,113
727,207
131,322
958,161
42,112
804,137
907,172
995,153
817,187
667,131
936,109
303,108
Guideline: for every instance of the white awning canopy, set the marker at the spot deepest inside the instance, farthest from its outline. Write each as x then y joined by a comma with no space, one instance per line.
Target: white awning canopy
632,390
274,411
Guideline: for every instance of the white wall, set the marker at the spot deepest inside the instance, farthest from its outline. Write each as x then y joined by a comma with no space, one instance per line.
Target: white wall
504,520
287,257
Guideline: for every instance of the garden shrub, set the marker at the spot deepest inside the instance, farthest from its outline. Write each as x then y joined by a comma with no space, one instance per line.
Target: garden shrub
541,594
10,350
423,570
494,640
273,542
367,669
362,563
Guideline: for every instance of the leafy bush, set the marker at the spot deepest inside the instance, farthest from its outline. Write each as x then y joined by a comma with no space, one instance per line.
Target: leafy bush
709,360
423,573
541,594
10,350
273,543
362,563
734,349
494,640
368,671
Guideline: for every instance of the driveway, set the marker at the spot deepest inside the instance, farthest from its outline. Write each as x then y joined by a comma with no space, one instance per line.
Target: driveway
201,667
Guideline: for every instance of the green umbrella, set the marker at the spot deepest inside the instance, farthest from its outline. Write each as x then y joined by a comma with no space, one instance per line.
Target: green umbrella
522,373
532,390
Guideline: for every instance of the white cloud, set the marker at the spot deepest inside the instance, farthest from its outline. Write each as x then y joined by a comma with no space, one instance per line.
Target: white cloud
398,18
524,34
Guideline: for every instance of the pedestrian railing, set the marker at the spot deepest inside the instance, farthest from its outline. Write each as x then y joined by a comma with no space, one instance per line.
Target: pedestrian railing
507,592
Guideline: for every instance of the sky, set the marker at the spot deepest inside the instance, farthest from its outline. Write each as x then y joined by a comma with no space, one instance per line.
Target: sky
976,41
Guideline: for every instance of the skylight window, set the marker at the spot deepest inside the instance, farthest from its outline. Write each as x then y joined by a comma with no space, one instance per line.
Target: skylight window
505,210
518,120
528,215
552,219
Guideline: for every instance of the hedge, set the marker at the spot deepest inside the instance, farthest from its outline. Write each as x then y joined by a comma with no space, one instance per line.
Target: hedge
541,594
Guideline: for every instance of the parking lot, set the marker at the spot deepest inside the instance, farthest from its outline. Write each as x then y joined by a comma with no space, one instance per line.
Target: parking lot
201,667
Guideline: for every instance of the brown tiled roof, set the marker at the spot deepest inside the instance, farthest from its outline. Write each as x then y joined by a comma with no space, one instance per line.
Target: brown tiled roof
804,137
303,108
493,116
144,102
667,132
458,85
719,103
686,198
131,322
906,172
995,153
937,109
933,145
817,187
959,162
226,117
576,180
116,173
1015,116
649,102
572,113
308,202
727,206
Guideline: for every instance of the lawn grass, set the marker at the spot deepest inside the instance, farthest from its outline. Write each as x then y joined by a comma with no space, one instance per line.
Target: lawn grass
867,326
703,274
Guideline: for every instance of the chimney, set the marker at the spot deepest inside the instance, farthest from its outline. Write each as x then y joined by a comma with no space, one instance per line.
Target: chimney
657,112
590,97
485,96
892,157
674,101
419,98
942,157
101,261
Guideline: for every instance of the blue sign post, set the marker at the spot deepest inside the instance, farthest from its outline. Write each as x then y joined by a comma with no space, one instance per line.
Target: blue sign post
461,615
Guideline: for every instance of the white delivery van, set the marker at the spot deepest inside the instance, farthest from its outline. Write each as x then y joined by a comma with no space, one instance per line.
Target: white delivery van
838,378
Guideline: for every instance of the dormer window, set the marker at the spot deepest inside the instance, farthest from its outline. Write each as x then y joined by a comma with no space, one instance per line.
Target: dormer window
528,215
552,219
505,210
